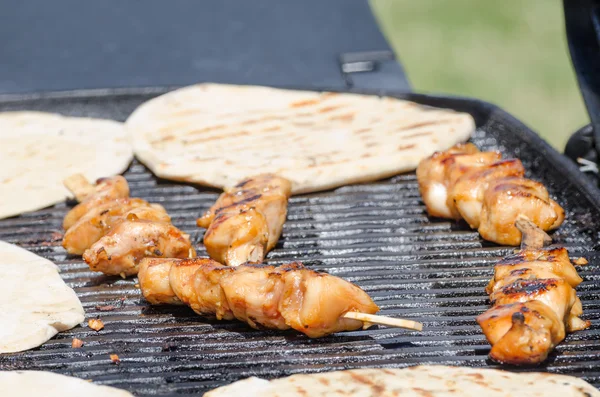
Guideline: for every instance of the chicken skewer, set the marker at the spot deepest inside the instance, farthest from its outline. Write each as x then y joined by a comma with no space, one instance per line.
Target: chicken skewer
246,220
289,296
114,232
534,301
489,193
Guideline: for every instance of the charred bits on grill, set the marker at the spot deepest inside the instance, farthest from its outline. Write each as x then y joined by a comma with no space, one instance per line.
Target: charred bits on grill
108,307
105,308
115,359
96,324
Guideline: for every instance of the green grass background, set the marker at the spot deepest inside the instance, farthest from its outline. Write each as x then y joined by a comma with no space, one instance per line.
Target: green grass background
509,52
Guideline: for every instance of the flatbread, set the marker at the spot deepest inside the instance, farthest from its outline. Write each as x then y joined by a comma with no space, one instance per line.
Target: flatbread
35,303
39,150
217,135
432,381
48,384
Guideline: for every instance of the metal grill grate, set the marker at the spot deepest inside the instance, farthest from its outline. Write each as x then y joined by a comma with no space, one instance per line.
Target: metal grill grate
375,235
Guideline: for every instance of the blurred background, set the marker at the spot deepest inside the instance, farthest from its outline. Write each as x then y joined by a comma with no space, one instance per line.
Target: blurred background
512,53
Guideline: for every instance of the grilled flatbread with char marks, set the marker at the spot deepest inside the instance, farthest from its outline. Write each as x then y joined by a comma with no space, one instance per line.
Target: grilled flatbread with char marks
217,135
420,381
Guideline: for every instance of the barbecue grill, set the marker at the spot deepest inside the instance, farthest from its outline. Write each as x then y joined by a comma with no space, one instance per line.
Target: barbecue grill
376,235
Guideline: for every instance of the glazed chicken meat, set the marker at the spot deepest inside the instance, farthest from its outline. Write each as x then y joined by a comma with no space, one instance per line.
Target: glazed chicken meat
534,305
90,196
114,232
284,297
489,193
246,220
99,220
119,251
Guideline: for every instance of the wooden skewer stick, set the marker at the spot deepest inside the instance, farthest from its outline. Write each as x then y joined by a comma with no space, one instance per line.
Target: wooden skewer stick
384,320
79,186
531,235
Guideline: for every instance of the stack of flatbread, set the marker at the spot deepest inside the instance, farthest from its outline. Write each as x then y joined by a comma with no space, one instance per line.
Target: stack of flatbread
35,303
217,135
420,381
39,150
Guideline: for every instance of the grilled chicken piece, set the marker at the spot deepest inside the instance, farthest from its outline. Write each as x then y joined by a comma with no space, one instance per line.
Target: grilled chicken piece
489,193
284,297
521,333
119,251
155,273
246,221
106,189
431,175
312,301
526,261
507,198
535,304
253,294
467,192
99,220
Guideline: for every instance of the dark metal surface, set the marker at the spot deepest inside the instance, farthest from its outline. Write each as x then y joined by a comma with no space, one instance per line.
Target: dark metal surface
580,149
70,44
376,235
582,21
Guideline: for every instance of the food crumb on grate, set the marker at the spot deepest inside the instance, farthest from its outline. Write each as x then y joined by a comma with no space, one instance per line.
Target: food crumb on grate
96,324
76,343
110,306
54,240
169,347
580,261
115,359
105,308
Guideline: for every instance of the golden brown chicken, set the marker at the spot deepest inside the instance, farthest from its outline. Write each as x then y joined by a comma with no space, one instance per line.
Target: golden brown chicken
246,221
489,193
130,240
91,196
284,297
521,333
553,259
534,305
433,184
467,192
507,198
114,232
459,167
99,220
